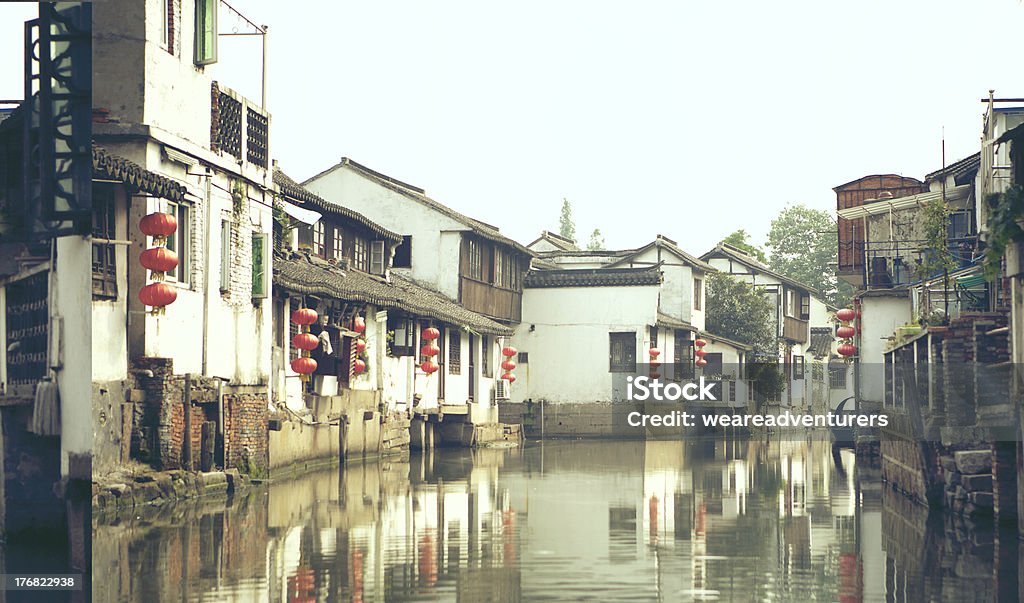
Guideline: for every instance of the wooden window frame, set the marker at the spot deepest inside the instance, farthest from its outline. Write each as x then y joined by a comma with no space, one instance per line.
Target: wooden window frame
181,243
104,253
455,352
698,293
627,364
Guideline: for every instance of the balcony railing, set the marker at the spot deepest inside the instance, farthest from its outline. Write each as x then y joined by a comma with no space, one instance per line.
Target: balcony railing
239,128
794,329
891,264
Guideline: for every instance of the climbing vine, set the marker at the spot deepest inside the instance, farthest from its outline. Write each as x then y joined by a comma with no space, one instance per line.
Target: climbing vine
1004,211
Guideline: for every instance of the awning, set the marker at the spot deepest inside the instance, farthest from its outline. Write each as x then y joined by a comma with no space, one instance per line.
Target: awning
306,216
874,207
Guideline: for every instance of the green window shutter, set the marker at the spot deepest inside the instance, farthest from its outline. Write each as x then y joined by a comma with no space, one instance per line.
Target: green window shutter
260,282
206,32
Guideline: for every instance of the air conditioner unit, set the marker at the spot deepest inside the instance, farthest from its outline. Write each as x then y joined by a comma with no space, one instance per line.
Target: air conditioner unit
501,389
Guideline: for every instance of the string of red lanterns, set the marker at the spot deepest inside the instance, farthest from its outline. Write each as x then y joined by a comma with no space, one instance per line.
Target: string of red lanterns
846,332
700,353
508,365
430,349
654,362
304,341
158,260
359,326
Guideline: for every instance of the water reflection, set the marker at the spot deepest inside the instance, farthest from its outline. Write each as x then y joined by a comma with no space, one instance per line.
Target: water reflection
709,519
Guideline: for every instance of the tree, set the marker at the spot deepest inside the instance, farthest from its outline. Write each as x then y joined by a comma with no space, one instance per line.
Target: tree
740,239
566,227
596,240
804,247
738,311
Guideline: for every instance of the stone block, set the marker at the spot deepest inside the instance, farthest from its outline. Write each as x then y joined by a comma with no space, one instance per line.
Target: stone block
973,461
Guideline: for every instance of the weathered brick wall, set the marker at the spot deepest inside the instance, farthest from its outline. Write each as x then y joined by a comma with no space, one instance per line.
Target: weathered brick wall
245,432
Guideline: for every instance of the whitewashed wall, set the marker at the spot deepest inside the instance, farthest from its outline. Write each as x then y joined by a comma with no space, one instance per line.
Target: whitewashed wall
569,343
879,318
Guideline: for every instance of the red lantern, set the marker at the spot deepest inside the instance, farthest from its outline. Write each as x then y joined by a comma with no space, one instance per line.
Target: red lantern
303,365
655,375
700,353
846,314
360,346
654,352
846,349
358,367
509,377
654,363
430,334
509,351
846,332
508,365
158,259
158,224
429,366
305,341
700,343
158,295
304,316
359,325
701,362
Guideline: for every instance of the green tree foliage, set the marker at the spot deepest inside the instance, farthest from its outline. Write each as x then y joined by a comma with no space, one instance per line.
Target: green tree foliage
740,239
566,227
596,241
804,247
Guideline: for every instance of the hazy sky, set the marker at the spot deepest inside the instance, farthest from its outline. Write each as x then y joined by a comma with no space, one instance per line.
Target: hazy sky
689,119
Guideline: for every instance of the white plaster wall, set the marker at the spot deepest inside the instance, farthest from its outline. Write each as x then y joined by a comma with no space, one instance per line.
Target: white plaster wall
435,242
70,294
879,318
109,317
569,343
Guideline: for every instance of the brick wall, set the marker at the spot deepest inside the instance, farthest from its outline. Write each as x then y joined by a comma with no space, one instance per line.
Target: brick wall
245,432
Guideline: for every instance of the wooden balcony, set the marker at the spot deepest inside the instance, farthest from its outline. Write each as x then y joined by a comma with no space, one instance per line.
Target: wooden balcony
496,302
795,330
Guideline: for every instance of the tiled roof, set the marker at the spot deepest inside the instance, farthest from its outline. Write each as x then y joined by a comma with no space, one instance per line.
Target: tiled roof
821,341
960,170
417,194
593,277
307,274
738,256
671,246
295,192
671,322
555,239
105,165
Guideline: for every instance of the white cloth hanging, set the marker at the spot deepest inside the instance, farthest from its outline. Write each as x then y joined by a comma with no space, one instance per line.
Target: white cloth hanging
325,343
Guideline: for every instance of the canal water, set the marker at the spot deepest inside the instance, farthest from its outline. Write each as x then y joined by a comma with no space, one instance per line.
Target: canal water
704,520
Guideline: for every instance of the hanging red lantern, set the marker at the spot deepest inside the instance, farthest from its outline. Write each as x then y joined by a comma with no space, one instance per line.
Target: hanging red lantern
303,365
846,349
655,375
846,314
430,334
158,259
429,366
508,365
360,346
509,351
700,343
509,377
846,332
654,352
701,362
430,349
359,324
654,362
158,224
158,295
700,353
305,341
304,316
358,367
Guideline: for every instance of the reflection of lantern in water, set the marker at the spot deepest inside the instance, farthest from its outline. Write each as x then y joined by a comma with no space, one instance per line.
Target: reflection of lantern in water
428,561
652,511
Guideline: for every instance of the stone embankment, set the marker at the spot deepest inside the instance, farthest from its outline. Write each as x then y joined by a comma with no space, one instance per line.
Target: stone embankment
163,486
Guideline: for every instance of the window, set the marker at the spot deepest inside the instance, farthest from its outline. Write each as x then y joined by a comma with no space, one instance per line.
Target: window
682,356
485,356
499,268
206,32
805,306
167,25
523,358
790,303
513,273
454,352
714,365
360,254
337,243
104,253
260,265
476,265
698,293
402,333
622,352
837,376
181,242
403,253
377,257
319,240
225,255
654,337
798,368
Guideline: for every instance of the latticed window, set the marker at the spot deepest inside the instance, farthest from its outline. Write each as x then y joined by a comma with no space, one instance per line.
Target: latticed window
682,356
476,264
360,254
337,243
454,352
104,252
837,376
229,125
622,352
319,240
256,151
